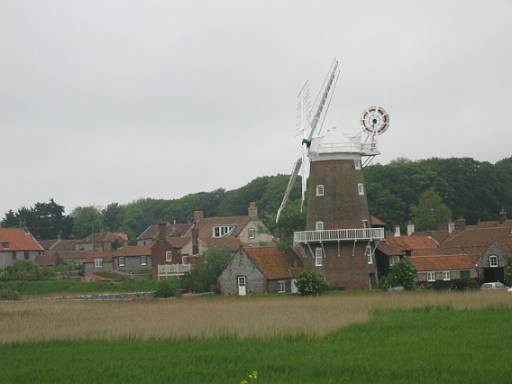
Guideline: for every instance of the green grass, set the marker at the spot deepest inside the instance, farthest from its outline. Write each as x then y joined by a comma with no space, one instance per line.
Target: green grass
420,346
73,286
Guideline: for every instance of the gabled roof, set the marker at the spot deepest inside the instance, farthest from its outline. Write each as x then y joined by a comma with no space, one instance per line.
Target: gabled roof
90,256
175,230
206,225
103,237
47,244
133,250
392,245
475,241
442,262
273,263
18,240
494,223
375,221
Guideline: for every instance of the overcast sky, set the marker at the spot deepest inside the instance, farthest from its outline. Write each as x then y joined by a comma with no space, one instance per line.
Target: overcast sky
104,101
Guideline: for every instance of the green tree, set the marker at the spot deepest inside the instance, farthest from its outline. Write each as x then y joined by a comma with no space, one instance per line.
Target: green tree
508,272
86,220
311,284
402,274
112,216
10,220
430,211
205,271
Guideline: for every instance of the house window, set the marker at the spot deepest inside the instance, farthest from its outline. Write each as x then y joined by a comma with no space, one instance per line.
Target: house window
446,275
431,276
26,255
320,190
98,262
5,244
319,255
252,233
184,260
222,230
360,189
121,261
465,274
281,286
393,260
143,260
493,261
368,253
357,165
319,225
168,256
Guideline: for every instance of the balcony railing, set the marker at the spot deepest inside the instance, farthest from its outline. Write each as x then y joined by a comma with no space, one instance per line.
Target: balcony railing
169,270
338,235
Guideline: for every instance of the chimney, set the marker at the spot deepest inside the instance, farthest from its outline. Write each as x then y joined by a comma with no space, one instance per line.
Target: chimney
195,240
451,227
397,231
198,215
162,231
503,215
410,228
252,211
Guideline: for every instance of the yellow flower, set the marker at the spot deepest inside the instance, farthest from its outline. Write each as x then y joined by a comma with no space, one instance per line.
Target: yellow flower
243,382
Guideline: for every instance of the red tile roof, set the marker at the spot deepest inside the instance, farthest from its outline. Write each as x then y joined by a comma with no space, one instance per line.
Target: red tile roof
133,250
475,241
273,263
175,230
102,237
90,256
392,245
442,262
18,240
376,221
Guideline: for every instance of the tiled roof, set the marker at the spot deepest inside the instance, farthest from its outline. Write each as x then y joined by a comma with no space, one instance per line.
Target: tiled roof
102,237
47,244
376,221
133,250
392,245
178,242
475,241
90,256
18,240
273,263
442,262
494,223
175,230
206,225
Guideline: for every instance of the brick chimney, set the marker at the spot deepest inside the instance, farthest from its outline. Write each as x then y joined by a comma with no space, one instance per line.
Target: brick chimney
162,231
397,231
195,240
503,215
252,211
198,215
410,228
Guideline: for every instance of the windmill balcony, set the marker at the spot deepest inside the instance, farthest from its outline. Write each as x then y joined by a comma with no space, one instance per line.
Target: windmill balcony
335,235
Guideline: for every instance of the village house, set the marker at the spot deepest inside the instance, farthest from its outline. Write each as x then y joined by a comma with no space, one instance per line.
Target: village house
102,242
439,270
126,260
18,244
168,262
60,251
263,269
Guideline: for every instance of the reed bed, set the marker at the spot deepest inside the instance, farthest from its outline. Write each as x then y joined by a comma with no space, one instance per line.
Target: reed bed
216,317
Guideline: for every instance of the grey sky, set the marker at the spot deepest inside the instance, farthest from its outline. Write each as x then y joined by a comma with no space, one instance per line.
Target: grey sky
105,101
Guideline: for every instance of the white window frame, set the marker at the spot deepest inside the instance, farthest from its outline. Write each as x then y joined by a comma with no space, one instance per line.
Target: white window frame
168,256
393,260
431,276
184,260
368,252
319,226
360,189
122,261
222,230
143,260
446,276
357,165
493,261
98,262
319,256
281,284
251,232
320,190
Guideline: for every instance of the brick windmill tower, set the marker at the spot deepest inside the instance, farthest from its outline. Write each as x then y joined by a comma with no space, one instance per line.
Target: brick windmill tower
339,242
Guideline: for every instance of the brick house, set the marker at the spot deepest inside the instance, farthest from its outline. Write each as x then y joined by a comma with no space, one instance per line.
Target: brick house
18,244
260,270
167,260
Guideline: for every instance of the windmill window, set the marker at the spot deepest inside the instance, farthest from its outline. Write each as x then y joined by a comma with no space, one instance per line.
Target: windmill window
222,230
320,190
493,261
368,253
431,276
252,233
319,255
446,275
360,189
357,165
319,225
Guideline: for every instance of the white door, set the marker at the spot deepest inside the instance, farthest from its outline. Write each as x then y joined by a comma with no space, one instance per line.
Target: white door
242,284
294,286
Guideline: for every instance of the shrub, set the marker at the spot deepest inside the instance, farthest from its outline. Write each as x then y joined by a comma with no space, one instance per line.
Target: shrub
25,270
144,270
9,294
204,273
166,288
402,274
508,272
311,284
465,283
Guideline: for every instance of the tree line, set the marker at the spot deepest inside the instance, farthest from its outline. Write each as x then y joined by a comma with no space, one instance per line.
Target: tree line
427,191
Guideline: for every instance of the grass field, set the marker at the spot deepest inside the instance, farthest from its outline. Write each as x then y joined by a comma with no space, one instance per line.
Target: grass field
373,338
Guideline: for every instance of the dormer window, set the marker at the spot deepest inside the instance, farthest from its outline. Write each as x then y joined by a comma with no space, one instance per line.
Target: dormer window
319,225
493,261
5,244
320,190
222,230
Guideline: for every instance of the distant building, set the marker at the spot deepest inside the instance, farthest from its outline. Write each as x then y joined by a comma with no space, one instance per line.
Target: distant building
260,270
18,244
102,242
128,259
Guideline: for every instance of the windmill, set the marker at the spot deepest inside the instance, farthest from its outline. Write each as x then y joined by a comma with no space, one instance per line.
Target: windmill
333,183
